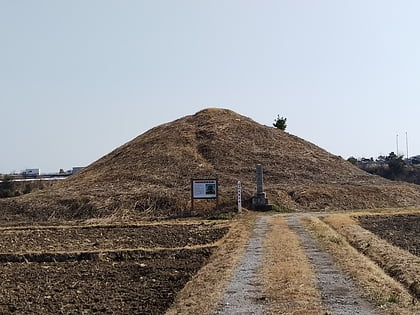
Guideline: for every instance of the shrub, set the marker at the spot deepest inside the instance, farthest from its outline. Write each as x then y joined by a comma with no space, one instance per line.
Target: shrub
280,123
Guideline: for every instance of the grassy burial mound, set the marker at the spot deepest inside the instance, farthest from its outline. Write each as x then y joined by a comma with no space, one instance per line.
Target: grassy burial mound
150,175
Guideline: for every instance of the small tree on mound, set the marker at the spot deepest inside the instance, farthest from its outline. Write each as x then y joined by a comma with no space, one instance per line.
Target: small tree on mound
280,123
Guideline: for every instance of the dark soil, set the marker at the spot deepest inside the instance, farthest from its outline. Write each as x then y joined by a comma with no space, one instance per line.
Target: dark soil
64,270
145,286
402,230
108,237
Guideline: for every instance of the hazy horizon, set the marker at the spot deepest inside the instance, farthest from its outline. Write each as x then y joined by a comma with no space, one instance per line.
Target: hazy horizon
78,79
402,151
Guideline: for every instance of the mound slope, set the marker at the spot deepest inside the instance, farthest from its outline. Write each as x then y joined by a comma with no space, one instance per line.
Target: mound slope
150,175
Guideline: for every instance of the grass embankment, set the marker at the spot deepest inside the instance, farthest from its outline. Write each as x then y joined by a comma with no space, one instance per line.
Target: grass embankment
390,296
399,263
287,273
202,293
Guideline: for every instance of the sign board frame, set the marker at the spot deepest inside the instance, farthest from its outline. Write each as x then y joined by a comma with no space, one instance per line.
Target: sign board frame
204,188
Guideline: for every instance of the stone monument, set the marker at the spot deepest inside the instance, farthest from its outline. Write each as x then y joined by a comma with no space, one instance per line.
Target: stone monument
260,201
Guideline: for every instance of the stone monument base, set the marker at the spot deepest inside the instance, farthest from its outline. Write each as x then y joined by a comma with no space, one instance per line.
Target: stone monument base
260,203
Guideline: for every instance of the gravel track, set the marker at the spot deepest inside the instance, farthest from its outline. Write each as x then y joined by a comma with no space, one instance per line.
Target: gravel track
244,293
339,293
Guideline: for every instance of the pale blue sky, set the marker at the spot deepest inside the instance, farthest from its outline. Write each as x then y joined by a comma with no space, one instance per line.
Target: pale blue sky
79,78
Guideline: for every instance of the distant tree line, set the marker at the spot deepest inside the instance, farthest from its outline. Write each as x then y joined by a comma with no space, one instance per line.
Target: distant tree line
392,167
10,188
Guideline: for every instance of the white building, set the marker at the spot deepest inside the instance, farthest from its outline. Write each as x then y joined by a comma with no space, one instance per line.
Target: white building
32,171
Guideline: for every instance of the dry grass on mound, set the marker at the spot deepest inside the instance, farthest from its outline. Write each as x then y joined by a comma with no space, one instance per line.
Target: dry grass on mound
150,175
388,294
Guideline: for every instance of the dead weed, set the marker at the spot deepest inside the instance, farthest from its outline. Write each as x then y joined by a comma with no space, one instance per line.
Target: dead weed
288,277
204,291
389,295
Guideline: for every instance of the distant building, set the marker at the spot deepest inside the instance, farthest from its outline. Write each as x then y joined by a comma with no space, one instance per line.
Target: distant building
32,172
414,159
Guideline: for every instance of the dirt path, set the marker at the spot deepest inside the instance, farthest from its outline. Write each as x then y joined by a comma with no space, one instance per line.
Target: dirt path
244,293
339,293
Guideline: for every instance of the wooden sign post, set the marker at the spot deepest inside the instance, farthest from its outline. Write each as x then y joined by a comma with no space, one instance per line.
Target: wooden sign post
239,197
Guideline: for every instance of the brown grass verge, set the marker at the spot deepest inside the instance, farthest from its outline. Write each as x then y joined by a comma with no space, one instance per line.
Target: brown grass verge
361,212
202,293
287,273
388,294
399,263
105,224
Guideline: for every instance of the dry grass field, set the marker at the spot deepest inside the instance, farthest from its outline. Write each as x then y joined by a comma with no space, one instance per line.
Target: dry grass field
388,274
395,261
184,266
288,276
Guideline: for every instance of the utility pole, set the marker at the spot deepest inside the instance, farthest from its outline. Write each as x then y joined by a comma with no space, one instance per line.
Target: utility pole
406,142
397,146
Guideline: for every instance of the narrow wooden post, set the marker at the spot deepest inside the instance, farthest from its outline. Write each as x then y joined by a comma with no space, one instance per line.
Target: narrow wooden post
239,190
192,195
217,193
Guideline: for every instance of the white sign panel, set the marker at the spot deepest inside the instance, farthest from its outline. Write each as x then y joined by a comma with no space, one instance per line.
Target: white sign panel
204,188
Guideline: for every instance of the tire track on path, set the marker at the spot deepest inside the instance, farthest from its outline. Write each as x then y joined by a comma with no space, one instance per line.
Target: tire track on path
339,293
244,293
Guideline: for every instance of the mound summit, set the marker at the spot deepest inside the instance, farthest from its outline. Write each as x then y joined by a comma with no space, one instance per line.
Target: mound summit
150,175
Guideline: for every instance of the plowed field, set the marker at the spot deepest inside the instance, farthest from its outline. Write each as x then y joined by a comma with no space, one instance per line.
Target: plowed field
107,237
402,230
105,269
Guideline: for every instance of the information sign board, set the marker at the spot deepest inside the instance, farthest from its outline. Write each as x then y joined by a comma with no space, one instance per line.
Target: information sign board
204,188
